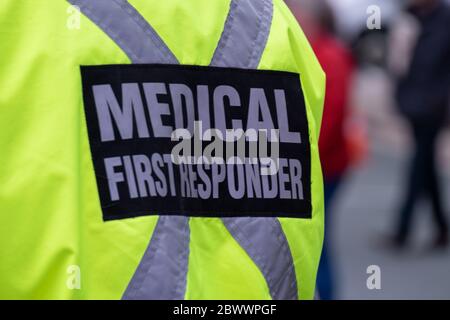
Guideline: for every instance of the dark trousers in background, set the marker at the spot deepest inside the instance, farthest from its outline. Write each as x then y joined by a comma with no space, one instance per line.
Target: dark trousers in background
423,181
325,274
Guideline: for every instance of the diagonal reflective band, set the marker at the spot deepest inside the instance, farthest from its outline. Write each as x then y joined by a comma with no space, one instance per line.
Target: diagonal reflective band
242,43
129,30
161,274
245,34
264,241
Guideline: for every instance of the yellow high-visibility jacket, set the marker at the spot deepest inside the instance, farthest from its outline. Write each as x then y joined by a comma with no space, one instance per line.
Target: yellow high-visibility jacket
59,237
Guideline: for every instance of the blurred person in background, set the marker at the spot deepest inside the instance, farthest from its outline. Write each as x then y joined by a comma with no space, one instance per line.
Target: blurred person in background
317,21
422,96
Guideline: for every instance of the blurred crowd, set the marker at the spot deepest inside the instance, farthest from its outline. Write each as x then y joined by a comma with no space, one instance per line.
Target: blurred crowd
388,88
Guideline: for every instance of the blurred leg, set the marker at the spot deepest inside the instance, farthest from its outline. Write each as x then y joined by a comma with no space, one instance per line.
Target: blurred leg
415,184
432,184
325,279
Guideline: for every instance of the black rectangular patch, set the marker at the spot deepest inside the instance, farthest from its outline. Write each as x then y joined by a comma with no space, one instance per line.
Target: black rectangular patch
133,110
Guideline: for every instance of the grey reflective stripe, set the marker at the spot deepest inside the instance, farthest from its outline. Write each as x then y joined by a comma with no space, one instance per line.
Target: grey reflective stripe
245,34
161,274
264,241
242,43
129,30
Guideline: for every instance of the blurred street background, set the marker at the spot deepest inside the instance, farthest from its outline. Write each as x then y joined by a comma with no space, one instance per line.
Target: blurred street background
365,209
364,213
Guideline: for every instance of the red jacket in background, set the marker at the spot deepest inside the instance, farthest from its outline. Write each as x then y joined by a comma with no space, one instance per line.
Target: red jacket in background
337,63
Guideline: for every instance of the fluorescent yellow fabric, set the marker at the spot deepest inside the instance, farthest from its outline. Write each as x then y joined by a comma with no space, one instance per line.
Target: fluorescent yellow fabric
50,216
288,50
